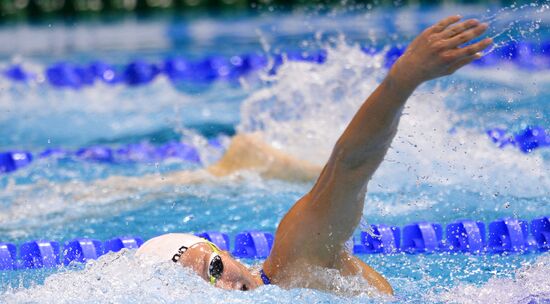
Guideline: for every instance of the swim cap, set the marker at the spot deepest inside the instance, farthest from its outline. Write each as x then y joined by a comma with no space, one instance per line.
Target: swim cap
167,245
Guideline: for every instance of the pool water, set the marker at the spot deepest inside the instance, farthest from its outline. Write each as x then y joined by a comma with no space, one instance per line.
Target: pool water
442,166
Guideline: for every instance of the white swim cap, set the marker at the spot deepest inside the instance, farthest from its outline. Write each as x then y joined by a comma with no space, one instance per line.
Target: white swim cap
167,245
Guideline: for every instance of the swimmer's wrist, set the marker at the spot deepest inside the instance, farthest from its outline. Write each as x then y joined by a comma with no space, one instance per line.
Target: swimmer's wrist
401,83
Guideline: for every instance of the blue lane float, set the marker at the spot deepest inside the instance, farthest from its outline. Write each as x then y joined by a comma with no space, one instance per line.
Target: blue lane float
212,68
219,239
253,245
132,153
177,69
526,140
505,236
532,138
142,152
13,160
65,74
392,55
39,254
382,239
422,237
117,244
466,236
54,152
139,72
540,229
179,150
8,256
82,250
96,153
18,74
508,235
6,162
105,72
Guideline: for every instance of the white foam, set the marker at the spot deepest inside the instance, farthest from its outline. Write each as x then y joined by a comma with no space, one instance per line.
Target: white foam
37,114
529,284
305,107
123,278
302,110
40,112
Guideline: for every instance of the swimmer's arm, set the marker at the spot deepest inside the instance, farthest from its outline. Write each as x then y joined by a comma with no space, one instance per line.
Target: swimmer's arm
319,224
434,53
250,152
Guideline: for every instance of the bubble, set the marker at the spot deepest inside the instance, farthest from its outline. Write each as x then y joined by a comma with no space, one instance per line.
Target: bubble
320,100
530,284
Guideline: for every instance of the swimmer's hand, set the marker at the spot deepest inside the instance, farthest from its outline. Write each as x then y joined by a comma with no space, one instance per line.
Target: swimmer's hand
436,52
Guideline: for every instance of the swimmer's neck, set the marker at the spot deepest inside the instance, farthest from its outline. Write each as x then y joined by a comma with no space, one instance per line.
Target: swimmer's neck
257,278
255,271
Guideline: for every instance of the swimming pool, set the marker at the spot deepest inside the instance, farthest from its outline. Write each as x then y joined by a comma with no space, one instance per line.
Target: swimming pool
442,167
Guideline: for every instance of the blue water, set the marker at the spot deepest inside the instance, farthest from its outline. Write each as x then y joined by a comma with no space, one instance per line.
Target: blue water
442,166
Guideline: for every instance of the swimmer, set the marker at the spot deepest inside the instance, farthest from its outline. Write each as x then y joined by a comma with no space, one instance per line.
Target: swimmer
313,232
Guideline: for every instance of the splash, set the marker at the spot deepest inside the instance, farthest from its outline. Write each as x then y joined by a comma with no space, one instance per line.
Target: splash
530,284
309,105
124,278
115,277
304,108
39,115
515,23
37,112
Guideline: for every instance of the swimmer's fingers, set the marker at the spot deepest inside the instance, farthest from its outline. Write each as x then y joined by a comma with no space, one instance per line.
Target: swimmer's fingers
466,36
456,29
462,62
473,49
443,24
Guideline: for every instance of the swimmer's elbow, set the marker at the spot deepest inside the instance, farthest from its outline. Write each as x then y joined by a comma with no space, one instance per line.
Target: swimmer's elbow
346,159
386,288
355,157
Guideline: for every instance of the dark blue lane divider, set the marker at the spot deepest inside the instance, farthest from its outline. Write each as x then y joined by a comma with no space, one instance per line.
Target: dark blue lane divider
64,74
504,236
528,140
142,152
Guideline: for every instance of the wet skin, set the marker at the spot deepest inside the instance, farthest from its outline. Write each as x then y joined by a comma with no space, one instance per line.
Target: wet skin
314,231
235,275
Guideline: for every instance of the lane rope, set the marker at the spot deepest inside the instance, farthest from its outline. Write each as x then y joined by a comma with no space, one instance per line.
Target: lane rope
64,74
503,236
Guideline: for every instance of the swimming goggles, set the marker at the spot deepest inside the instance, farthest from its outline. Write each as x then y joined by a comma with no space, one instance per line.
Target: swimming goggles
215,267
